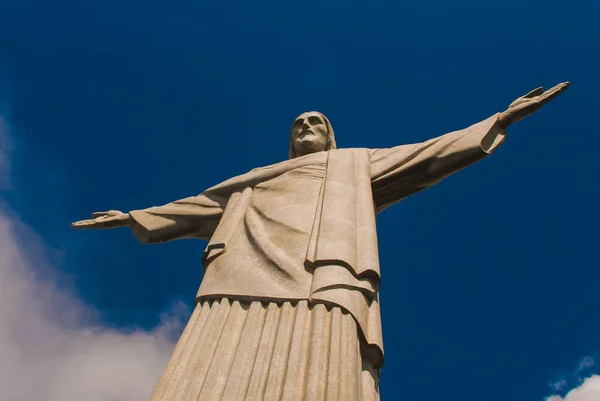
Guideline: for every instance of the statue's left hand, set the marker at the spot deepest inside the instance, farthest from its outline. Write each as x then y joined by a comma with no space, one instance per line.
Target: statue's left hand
530,103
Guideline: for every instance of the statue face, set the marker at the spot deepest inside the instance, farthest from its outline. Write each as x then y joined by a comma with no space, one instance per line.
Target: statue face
309,133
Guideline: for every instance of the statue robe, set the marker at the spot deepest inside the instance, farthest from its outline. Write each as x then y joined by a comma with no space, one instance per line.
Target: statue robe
304,230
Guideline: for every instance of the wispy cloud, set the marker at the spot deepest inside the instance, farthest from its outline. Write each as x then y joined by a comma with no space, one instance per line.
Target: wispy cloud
51,346
586,362
559,385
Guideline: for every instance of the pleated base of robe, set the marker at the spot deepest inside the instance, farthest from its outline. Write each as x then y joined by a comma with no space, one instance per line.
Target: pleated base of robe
233,350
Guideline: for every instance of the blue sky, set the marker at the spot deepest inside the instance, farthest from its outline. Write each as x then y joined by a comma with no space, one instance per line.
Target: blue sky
490,278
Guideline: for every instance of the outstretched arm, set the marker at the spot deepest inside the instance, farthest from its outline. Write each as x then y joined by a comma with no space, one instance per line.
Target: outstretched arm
193,217
404,170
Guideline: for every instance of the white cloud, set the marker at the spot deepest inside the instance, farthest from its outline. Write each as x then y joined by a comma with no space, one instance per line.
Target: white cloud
51,347
589,390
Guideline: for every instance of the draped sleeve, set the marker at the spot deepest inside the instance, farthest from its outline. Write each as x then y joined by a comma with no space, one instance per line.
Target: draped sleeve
403,170
193,217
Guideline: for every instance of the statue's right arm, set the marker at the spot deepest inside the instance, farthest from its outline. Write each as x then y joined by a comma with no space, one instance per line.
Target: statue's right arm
193,217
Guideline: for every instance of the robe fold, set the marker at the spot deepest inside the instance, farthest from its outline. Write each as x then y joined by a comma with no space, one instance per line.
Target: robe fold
305,229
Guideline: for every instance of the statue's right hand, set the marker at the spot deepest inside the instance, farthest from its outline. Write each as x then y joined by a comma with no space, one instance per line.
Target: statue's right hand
110,219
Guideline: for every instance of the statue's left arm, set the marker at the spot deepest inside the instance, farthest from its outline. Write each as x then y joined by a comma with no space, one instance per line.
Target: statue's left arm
404,170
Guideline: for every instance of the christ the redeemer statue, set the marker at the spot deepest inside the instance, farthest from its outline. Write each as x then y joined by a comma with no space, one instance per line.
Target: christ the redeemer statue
288,307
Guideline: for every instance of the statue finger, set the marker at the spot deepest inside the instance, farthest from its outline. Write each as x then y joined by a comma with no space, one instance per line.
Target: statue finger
535,92
554,92
557,88
89,223
99,214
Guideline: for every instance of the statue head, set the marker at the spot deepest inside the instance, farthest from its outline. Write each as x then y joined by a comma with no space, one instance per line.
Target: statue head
311,132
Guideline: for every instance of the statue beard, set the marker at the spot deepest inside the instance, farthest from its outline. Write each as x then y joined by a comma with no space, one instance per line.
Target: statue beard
308,147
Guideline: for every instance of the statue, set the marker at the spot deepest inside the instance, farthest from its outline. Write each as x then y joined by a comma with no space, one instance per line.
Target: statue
288,307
